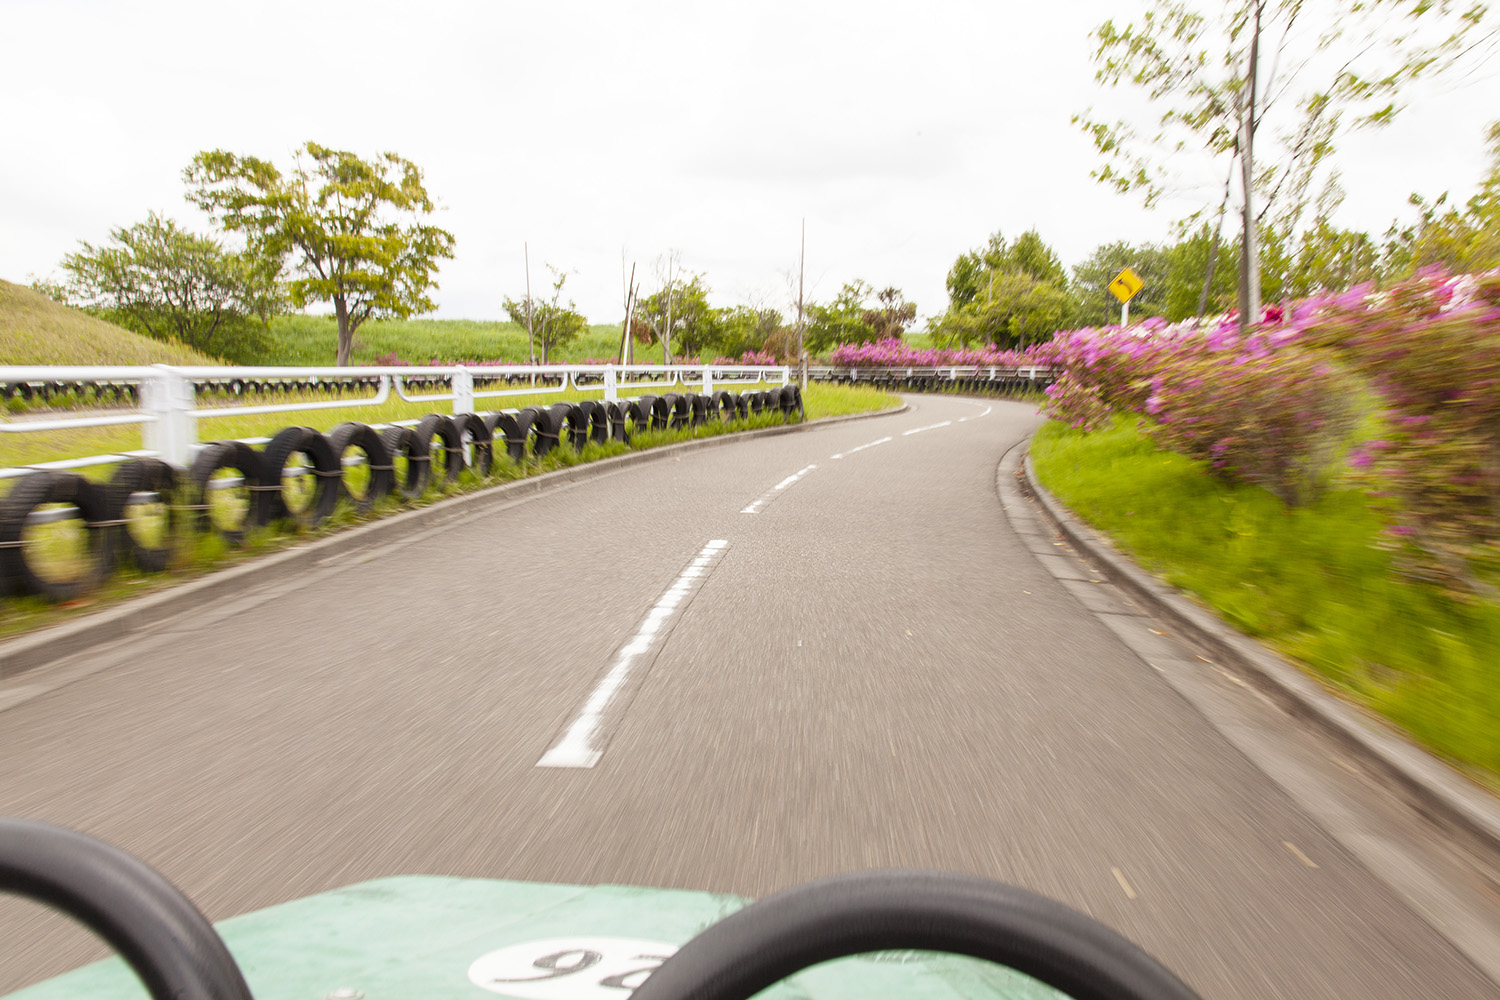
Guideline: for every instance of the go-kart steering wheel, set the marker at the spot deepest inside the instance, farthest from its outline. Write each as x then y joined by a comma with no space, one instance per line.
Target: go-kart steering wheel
178,955
931,911
171,946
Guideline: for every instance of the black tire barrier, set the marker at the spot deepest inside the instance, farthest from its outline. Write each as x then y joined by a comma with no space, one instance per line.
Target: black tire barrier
831,918
722,405
477,440
401,443
661,411
618,415
596,412
575,424
450,453
549,429
534,431
682,411
160,934
17,573
790,400
517,429
245,460
646,413
324,466
147,475
363,438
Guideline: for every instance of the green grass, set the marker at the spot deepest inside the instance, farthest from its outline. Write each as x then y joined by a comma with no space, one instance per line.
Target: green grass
313,340
1317,583
34,330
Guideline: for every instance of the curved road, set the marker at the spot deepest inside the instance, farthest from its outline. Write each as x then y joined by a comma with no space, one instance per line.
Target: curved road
867,667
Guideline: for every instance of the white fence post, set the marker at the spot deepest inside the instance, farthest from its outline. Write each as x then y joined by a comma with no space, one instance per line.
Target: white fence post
611,387
463,390
169,397
708,380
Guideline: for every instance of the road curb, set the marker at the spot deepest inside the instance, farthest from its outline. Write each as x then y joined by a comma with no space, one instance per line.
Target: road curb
1437,790
54,642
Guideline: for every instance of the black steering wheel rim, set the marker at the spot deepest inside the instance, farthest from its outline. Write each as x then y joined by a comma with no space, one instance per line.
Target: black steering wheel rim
162,936
923,910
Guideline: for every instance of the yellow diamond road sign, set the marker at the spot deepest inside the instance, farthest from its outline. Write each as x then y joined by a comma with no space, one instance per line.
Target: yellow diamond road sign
1125,285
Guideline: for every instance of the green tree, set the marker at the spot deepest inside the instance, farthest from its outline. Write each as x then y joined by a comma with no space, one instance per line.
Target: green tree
352,227
157,279
748,328
892,315
1017,310
1008,294
841,321
679,315
1097,306
1188,261
1220,77
553,323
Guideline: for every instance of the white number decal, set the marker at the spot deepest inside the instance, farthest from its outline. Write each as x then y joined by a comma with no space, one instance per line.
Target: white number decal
570,968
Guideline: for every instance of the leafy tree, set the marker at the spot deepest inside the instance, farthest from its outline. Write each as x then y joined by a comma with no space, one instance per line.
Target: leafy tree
747,328
1008,294
893,316
1097,306
554,322
157,279
841,321
1187,262
1209,74
1019,310
679,315
352,227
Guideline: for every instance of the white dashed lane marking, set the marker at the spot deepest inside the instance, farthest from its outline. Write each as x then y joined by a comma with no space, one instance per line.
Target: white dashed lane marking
582,743
765,498
929,427
863,447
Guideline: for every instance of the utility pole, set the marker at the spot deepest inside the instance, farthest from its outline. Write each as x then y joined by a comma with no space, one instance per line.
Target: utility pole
625,339
1249,250
530,337
801,325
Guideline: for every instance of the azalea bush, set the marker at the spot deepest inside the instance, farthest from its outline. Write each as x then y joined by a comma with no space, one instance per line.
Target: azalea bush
1430,348
896,353
1276,420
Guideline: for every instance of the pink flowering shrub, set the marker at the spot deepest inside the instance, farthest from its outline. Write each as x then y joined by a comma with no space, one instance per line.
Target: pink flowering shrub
1430,347
1276,420
1257,409
896,353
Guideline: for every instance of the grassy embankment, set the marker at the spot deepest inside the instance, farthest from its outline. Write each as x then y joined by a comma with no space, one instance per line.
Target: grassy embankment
313,340
34,330
1316,583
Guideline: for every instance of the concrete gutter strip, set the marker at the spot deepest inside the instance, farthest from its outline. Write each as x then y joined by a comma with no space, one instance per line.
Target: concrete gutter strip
57,641
1440,792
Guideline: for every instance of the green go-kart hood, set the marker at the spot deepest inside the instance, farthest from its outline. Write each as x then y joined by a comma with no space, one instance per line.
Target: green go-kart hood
433,938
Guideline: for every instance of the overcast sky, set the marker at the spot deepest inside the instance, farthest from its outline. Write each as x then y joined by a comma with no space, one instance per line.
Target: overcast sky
903,133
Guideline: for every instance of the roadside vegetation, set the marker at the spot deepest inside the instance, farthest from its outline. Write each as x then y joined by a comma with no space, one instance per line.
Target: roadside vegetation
1328,483
35,330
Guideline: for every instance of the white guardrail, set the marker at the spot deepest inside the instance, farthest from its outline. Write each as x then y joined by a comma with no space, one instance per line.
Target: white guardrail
1038,375
168,406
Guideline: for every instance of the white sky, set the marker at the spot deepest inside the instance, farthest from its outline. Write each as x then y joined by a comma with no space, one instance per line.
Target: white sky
903,133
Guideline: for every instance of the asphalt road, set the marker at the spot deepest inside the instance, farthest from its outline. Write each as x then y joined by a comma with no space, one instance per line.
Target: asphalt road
872,669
